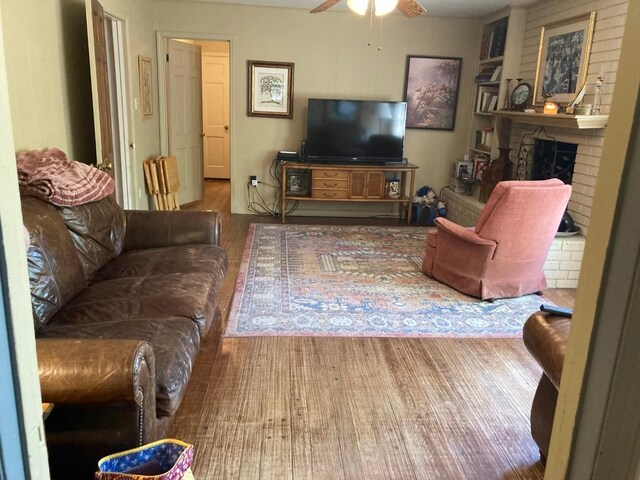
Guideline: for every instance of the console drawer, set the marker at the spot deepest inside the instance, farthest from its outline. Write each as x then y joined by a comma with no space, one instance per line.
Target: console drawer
331,184
330,194
330,175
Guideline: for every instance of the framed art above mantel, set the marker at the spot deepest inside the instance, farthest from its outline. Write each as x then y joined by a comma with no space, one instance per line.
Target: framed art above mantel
563,58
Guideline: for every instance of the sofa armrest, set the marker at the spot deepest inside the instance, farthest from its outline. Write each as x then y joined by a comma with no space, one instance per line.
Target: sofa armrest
149,229
74,371
546,336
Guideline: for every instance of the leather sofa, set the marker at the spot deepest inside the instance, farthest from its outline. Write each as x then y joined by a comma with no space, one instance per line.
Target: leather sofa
545,336
121,301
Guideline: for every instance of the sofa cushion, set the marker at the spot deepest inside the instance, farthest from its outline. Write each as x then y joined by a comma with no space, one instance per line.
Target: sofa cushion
97,230
175,343
191,295
160,261
55,274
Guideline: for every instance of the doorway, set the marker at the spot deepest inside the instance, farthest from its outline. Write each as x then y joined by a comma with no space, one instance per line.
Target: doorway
195,112
105,37
118,105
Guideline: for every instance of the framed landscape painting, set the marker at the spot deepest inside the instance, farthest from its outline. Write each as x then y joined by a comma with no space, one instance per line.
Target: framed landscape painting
563,58
431,92
270,89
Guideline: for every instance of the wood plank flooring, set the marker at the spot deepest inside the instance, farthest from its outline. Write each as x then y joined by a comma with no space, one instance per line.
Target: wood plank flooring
355,408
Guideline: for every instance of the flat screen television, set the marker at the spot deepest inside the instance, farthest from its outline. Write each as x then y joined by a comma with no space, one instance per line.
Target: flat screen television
355,131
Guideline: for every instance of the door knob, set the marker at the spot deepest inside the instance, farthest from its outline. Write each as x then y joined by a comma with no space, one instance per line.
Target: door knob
105,166
202,134
226,127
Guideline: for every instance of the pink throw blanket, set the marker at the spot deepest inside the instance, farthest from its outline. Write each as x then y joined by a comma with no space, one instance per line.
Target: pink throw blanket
51,176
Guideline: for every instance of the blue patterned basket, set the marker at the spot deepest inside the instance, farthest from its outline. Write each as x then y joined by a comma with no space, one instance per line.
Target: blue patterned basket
166,459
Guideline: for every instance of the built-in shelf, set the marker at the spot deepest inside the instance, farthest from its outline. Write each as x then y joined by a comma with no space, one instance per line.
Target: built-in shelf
484,114
559,120
491,60
480,150
489,84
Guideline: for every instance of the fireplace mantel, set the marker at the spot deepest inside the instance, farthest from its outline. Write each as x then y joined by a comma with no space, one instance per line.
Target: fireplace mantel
580,122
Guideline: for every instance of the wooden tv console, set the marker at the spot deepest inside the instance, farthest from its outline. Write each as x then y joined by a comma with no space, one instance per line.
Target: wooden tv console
349,183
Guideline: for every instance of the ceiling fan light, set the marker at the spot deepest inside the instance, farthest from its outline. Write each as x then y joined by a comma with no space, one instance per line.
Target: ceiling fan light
358,6
385,6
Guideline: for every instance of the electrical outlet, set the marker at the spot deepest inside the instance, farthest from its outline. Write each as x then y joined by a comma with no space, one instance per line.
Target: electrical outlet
253,180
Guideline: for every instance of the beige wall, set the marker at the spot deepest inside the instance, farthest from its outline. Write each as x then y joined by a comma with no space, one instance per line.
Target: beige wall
331,59
50,95
47,65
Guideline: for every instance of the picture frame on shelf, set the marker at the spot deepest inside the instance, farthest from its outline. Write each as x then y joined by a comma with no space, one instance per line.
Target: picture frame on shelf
146,89
563,58
270,89
431,91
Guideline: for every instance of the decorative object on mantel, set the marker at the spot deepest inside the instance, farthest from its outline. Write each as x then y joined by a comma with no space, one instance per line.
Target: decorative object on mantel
550,108
501,168
521,96
576,101
563,58
507,95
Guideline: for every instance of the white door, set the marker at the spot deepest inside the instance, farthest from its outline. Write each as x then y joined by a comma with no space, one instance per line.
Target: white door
185,117
215,114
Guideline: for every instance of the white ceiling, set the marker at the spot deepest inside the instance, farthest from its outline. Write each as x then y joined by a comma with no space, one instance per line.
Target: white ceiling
438,8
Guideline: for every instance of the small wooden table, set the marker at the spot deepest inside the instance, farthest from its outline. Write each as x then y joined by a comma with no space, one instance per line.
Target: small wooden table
349,183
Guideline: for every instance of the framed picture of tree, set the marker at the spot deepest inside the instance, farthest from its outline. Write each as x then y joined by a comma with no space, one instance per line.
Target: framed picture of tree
431,92
270,89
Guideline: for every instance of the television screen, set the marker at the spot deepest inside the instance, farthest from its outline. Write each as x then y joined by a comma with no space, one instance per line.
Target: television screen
355,131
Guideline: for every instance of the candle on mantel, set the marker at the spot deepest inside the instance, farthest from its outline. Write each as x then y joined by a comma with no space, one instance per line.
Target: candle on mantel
550,108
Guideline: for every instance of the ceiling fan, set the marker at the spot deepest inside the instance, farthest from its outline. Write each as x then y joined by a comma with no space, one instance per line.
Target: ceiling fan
410,8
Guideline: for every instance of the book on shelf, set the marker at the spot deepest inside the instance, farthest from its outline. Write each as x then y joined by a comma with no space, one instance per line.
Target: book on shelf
485,99
495,77
485,46
493,103
484,138
498,40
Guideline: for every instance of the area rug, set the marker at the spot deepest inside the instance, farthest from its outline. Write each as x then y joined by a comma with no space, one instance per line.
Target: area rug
326,280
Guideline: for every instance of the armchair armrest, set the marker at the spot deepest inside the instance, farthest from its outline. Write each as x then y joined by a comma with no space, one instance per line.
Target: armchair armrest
466,234
149,229
74,371
461,251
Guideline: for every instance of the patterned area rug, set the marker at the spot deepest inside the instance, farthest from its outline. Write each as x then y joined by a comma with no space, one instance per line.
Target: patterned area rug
325,280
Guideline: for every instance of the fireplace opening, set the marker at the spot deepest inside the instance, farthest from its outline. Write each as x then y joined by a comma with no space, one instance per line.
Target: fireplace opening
552,159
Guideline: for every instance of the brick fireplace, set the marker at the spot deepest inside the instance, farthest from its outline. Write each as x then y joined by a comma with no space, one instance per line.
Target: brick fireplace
582,149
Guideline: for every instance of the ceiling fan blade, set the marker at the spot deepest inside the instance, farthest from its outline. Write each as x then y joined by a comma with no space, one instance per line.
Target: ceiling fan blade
325,6
411,8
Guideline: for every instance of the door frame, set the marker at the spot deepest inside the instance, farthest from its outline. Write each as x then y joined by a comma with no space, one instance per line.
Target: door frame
161,36
121,104
132,175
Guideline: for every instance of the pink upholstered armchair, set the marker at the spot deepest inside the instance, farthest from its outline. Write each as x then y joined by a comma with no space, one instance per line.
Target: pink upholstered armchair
504,254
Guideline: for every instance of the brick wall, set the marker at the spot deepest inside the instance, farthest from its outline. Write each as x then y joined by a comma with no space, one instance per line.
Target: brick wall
605,53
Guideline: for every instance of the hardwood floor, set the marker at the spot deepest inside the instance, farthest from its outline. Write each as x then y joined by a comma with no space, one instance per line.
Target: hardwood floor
355,408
